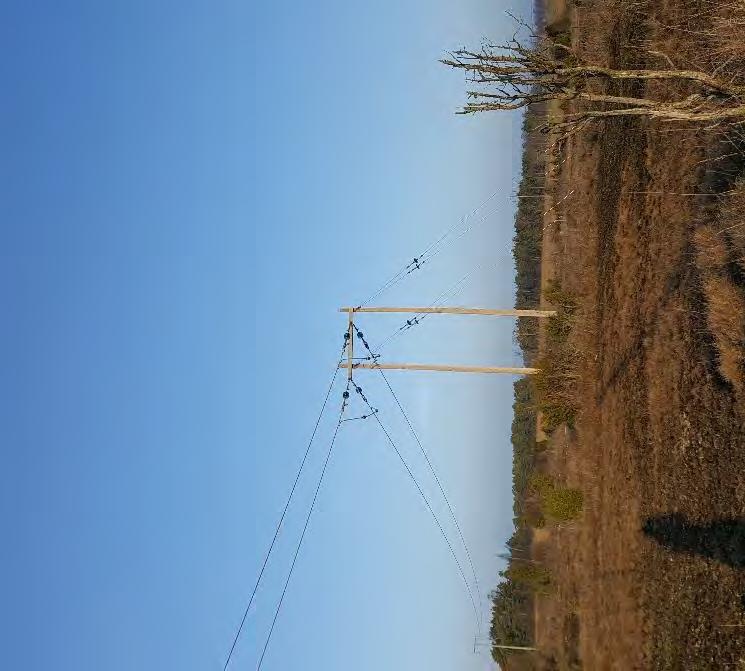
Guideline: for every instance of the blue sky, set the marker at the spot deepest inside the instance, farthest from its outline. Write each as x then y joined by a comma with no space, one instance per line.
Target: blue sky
189,191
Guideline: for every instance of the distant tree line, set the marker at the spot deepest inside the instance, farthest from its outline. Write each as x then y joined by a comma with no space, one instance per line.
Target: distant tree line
526,246
513,598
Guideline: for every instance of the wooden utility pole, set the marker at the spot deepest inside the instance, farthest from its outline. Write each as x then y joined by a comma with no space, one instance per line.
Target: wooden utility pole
457,311
513,647
487,643
350,365
443,368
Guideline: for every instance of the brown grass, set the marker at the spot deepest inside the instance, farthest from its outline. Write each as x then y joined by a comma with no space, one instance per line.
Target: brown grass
720,248
726,320
729,46
657,430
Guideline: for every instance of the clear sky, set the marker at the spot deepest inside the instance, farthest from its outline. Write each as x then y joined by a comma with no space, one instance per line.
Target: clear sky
189,191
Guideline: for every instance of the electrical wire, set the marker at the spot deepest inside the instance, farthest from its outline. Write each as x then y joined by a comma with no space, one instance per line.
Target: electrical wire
429,506
439,484
430,465
305,528
284,513
431,251
419,317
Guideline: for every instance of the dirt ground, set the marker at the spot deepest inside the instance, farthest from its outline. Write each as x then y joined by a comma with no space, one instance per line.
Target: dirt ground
652,577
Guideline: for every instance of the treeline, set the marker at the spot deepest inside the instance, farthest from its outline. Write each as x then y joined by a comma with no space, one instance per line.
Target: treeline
526,246
539,498
513,598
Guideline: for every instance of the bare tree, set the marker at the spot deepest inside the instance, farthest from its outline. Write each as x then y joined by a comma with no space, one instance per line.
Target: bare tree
512,76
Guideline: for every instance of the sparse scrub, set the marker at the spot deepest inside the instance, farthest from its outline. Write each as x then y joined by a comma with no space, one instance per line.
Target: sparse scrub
559,326
727,34
656,430
720,256
541,446
531,520
731,224
562,504
540,483
565,302
535,578
556,383
556,388
558,504
726,319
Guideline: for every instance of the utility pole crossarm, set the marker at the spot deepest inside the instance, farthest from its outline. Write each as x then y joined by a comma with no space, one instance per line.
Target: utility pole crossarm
454,311
350,344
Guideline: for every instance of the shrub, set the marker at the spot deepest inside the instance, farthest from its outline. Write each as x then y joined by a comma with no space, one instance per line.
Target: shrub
720,257
564,301
556,382
556,414
558,504
541,483
540,446
559,326
534,577
562,504
531,521
726,320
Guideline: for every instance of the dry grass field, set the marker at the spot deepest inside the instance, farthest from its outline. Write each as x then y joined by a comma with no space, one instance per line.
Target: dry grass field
646,226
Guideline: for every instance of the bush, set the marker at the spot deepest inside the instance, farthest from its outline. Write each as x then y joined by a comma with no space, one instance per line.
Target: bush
558,504
534,577
531,521
540,446
563,301
559,326
540,483
556,414
720,257
562,504
556,395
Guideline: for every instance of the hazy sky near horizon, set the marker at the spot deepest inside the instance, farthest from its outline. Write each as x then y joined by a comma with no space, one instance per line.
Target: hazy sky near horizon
190,190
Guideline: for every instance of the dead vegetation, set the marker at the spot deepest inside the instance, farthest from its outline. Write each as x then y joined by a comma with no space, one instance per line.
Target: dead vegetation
556,385
548,68
651,241
720,255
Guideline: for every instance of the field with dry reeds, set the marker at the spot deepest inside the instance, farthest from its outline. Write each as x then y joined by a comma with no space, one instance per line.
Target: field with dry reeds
646,227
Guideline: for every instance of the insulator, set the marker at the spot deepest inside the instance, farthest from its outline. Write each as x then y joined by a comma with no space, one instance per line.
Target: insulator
345,395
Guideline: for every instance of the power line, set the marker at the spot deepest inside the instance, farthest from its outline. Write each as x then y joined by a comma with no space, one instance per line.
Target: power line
358,389
431,468
447,233
439,484
420,317
284,512
466,230
431,251
305,527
